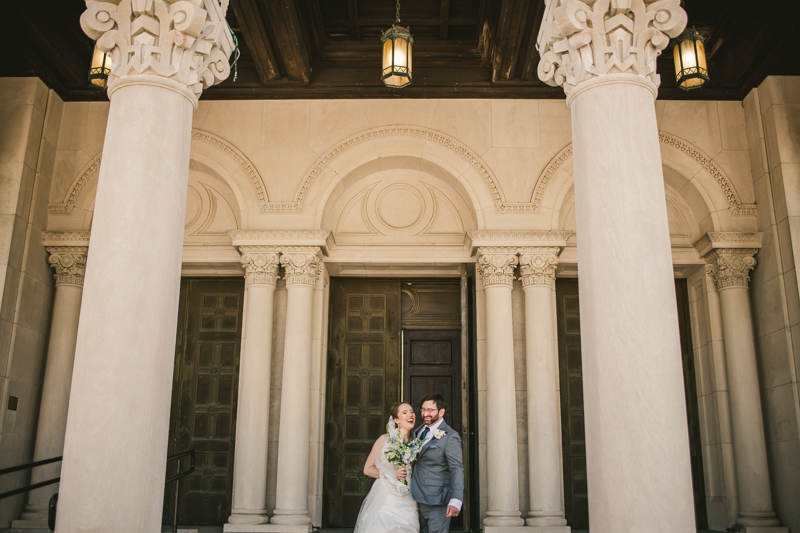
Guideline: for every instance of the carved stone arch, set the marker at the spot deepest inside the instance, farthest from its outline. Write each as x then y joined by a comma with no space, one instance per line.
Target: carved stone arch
238,159
733,204
329,160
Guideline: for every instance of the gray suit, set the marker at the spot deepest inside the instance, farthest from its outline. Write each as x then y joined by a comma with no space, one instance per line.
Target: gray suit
436,478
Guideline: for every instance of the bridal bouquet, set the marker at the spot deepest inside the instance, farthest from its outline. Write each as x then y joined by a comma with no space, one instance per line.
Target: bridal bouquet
399,452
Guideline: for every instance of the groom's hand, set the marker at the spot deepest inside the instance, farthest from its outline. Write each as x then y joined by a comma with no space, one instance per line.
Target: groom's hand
451,512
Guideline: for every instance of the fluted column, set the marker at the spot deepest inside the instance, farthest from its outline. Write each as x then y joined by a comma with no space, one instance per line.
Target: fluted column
252,419
69,263
730,268
604,55
163,54
538,274
496,267
303,266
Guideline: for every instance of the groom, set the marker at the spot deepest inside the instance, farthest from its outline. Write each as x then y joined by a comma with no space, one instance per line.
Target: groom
437,483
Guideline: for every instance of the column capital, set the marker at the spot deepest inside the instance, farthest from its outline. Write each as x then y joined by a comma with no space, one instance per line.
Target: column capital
582,40
496,265
538,265
69,263
303,264
730,267
179,45
261,264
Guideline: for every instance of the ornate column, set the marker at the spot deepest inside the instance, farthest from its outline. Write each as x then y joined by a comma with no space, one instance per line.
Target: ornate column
164,54
538,269
603,53
303,265
69,263
496,266
730,260
252,419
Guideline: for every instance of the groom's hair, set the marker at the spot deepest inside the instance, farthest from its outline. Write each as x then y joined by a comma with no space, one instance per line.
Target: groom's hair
435,397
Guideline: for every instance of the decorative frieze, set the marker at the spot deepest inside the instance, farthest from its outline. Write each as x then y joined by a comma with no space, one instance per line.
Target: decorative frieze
496,265
728,239
261,264
303,265
187,42
580,40
69,263
730,267
538,265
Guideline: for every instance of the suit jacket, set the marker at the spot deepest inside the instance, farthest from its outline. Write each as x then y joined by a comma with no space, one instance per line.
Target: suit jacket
438,475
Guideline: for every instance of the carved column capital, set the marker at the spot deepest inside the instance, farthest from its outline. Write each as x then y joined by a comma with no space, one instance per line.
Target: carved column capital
69,263
303,264
730,267
538,265
496,265
186,42
261,264
581,40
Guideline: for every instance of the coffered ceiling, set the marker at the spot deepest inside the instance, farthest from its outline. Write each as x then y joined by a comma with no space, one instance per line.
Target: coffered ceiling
463,48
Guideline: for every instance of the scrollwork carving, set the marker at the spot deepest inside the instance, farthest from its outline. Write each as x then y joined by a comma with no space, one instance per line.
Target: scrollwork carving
261,264
186,41
303,265
584,39
538,265
730,267
496,265
69,263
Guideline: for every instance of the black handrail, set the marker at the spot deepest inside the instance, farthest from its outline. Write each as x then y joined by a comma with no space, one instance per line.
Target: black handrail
34,464
185,472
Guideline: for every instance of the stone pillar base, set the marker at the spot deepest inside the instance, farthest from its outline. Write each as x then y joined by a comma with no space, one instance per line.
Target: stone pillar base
763,529
30,524
548,529
511,529
266,528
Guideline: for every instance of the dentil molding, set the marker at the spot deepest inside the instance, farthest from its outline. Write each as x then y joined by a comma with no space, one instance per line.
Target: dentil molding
496,265
322,239
186,42
69,263
732,239
476,239
581,40
538,265
65,238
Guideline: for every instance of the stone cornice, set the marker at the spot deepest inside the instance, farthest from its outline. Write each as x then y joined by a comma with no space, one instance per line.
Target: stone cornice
729,240
515,238
65,238
537,265
496,265
69,263
283,238
184,43
582,40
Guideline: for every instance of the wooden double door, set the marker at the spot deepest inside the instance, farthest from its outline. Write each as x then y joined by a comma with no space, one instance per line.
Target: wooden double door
390,340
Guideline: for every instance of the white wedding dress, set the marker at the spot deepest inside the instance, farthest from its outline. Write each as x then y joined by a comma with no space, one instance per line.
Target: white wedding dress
389,507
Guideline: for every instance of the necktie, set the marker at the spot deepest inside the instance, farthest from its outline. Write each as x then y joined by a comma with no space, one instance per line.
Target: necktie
424,433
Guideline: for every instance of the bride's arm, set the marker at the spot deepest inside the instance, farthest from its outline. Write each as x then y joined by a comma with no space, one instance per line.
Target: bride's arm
369,467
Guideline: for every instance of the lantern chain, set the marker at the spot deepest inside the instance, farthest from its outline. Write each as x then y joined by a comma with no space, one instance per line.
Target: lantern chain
398,12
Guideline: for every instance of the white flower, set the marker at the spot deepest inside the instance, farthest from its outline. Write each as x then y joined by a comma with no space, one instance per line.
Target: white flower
438,433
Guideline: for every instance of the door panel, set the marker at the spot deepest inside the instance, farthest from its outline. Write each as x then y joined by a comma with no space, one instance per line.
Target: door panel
205,386
363,382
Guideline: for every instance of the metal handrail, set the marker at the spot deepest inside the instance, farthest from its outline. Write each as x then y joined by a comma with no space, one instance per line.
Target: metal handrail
176,478
27,466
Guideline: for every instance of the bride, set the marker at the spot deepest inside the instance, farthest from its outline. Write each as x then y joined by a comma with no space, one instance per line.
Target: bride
389,507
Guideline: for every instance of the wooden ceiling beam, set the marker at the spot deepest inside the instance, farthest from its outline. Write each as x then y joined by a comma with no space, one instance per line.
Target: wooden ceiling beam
291,40
510,28
444,17
352,8
256,40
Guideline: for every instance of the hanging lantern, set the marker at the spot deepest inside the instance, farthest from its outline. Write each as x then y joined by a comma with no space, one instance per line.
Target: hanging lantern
397,42
689,53
100,69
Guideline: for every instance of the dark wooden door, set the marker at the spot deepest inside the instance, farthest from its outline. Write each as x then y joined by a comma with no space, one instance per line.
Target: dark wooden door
204,397
363,382
576,504
432,363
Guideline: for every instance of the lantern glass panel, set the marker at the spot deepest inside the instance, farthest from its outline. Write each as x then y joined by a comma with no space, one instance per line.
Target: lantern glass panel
396,62
100,69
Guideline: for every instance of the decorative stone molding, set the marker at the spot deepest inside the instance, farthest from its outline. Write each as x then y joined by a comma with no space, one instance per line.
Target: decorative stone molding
496,265
448,142
69,263
66,238
581,40
261,264
526,238
729,267
93,168
739,240
303,265
322,239
187,42
538,265
735,206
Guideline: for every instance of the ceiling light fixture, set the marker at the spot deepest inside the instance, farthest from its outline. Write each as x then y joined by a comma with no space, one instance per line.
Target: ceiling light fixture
397,42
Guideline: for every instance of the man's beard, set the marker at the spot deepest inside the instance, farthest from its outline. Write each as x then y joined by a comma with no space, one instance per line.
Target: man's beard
434,419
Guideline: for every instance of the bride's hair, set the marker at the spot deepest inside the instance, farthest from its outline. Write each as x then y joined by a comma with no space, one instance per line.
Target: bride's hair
394,410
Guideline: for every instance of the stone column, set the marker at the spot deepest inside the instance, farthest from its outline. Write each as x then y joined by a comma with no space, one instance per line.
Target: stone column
637,447
729,267
164,54
496,266
69,263
303,266
252,421
538,269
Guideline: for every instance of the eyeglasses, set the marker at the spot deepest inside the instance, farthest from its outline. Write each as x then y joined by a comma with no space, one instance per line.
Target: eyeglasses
429,410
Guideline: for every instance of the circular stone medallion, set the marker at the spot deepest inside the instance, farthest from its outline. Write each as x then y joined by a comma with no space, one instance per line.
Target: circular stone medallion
400,206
